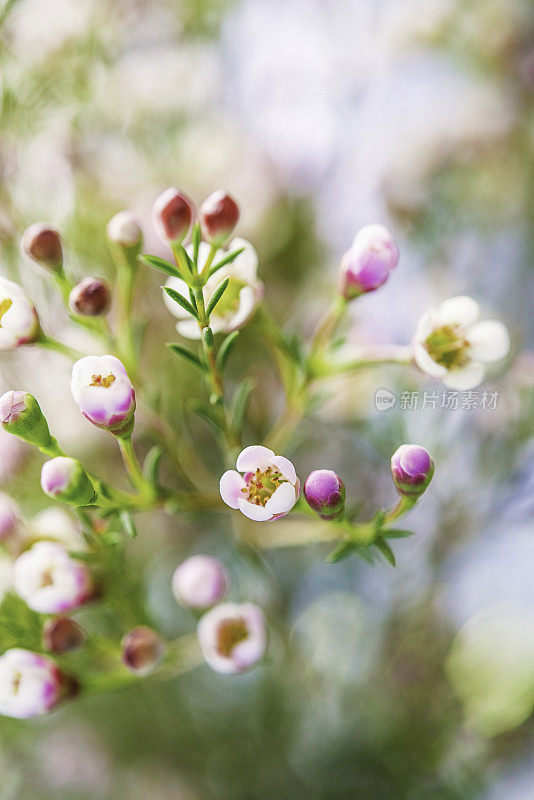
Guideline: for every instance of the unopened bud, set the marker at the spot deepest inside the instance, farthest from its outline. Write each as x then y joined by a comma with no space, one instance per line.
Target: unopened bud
142,651
325,493
172,214
42,244
412,469
62,634
91,297
366,266
200,582
124,229
65,479
9,516
21,415
219,214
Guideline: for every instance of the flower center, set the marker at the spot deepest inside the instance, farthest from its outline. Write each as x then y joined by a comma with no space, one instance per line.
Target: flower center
46,579
98,380
5,305
448,346
17,680
262,485
229,635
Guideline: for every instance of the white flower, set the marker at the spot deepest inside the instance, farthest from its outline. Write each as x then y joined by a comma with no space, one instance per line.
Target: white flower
30,684
103,392
242,296
49,580
268,487
451,344
19,323
233,637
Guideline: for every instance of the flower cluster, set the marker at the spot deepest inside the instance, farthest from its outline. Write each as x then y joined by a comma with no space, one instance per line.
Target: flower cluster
57,563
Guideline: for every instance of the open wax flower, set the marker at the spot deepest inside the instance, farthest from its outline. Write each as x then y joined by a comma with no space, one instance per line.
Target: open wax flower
233,637
264,486
241,298
49,580
30,684
452,344
19,323
104,394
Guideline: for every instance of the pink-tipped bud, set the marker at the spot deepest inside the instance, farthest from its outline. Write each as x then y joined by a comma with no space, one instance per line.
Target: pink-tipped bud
412,469
142,651
219,214
172,214
325,493
124,229
64,478
61,635
368,263
42,244
90,298
200,582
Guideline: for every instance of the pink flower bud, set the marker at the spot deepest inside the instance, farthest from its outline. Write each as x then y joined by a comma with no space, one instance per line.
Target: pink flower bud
19,323
50,581
65,479
172,214
233,637
30,684
325,493
42,244
219,215
367,264
124,229
412,469
142,651
200,582
91,297
21,415
9,516
61,635
104,394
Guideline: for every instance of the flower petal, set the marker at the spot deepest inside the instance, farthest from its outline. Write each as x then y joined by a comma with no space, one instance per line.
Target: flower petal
254,457
188,328
489,340
282,500
465,378
427,364
460,310
230,487
285,466
254,512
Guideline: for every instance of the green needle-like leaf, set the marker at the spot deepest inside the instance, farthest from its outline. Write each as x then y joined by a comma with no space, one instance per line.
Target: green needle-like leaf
240,404
225,349
128,524
226,260
162,265
187,355
216,296
180,299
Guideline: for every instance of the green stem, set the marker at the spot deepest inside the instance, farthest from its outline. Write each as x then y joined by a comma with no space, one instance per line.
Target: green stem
59,347
403,507
365,357
209,261
133,467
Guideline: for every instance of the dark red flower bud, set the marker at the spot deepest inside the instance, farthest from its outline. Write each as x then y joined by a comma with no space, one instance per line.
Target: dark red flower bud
219,214
172,214
91,297
142,650
42,244
62,634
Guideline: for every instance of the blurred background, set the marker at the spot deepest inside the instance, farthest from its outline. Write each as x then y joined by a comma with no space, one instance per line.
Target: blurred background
319,116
